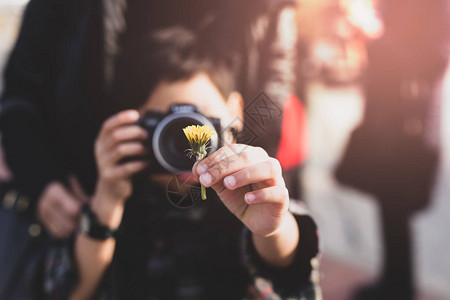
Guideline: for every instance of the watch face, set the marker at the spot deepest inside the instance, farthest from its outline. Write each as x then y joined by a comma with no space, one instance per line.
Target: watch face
85,223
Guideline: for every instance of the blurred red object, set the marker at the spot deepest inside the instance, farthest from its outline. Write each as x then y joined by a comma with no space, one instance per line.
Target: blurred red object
292,147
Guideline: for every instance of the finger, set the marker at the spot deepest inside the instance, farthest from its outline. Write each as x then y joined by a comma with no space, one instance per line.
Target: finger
219,167
119,119
47,202
122,134
194,170
59,226
244,151
121,151
55,230
77,189
271,195
43,213
50,211
64,203
67,225
125,170
269,170
59,232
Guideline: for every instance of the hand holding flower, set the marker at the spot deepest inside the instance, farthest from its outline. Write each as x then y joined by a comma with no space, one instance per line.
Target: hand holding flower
198,137
249,183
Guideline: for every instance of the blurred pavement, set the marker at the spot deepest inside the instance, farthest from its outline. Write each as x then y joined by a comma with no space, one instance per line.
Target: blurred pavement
339,280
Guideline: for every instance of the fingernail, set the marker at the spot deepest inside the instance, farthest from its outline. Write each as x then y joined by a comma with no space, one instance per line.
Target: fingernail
250,198
230,181
133,114
202,169
205,179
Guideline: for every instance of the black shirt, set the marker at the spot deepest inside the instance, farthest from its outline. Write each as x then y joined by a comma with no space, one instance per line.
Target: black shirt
203,252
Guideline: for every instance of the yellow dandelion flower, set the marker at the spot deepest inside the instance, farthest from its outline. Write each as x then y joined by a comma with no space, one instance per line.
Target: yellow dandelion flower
198,134
198,137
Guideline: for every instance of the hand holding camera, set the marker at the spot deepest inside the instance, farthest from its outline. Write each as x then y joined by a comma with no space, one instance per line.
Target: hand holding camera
119,138
128,144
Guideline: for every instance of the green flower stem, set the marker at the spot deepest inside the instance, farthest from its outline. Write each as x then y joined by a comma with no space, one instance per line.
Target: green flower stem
203,192
199,157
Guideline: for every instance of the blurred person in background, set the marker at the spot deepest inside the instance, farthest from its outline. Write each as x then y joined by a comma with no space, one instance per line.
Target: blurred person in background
394,153
334,35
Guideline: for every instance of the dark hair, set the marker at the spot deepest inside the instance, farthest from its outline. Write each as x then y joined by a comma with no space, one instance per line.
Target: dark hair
171,54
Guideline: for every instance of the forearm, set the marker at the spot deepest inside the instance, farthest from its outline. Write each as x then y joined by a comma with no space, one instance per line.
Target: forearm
94,256
278,250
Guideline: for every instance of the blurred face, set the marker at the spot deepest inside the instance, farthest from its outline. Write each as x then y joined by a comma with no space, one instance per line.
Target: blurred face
201,92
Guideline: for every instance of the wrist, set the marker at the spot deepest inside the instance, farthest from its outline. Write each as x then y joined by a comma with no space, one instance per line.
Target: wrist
288,227
278,248
109,213
91,227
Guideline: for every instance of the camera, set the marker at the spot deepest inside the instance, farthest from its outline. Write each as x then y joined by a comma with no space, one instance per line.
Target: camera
167,144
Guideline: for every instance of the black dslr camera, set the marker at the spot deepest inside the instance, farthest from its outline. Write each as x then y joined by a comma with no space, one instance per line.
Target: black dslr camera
167,144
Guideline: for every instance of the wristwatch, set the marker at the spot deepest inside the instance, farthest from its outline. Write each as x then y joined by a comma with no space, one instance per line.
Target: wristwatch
90,226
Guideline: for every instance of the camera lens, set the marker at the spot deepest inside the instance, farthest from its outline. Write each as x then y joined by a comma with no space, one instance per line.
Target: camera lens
173,144
170,143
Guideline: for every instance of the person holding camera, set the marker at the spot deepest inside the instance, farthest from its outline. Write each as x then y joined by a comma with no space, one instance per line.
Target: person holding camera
246,240
52,111
66,55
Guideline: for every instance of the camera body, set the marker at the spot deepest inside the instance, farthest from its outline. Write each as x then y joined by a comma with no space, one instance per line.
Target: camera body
166,142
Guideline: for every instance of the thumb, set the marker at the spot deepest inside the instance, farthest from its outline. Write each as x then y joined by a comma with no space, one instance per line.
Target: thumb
77,189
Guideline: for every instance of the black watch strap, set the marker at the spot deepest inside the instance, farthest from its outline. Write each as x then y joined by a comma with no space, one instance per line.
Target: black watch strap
90,226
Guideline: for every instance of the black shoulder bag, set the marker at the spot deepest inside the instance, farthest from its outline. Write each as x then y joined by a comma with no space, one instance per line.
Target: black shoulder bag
22,245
